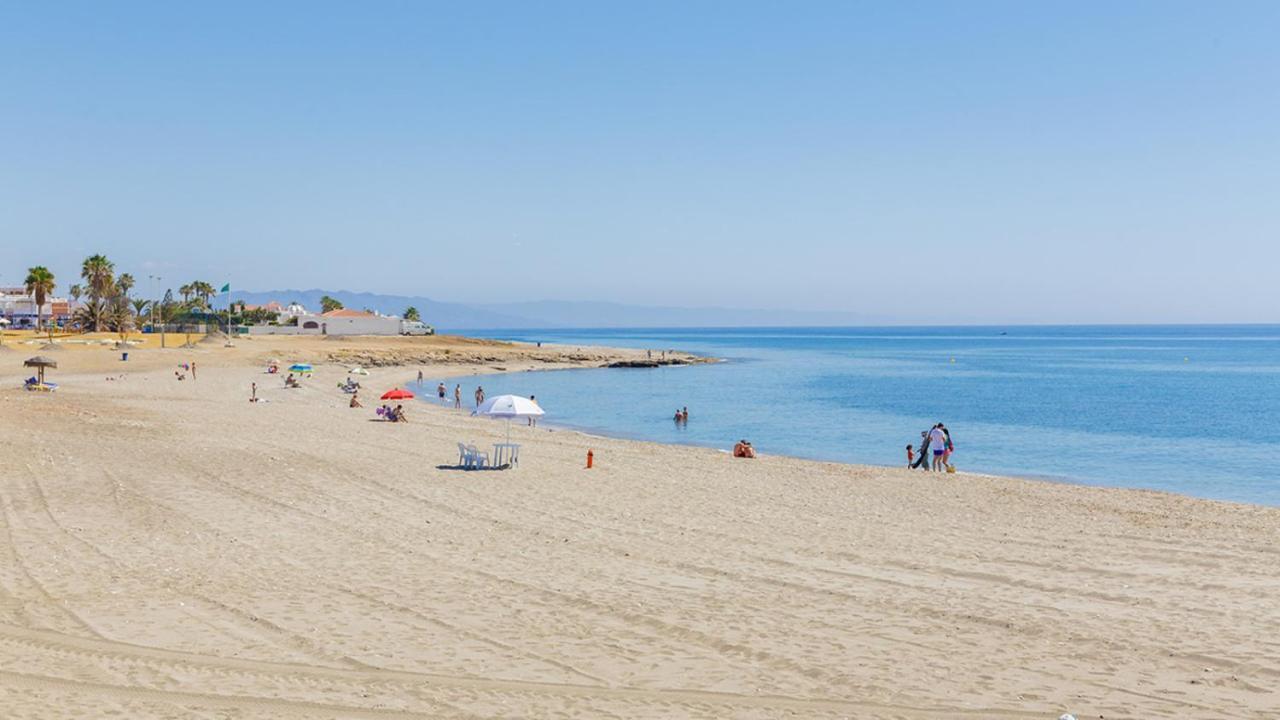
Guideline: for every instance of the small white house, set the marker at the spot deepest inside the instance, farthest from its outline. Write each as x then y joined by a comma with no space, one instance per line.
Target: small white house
348,322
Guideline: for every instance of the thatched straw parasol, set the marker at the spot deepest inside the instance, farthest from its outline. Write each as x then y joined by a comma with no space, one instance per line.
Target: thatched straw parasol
40,362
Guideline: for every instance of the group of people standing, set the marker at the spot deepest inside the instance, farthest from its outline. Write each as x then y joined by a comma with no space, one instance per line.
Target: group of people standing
936,448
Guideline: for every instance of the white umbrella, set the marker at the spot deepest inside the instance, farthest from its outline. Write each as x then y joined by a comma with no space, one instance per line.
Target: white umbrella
509,407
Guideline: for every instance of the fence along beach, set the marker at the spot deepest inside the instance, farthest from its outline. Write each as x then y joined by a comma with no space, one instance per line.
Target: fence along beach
171,548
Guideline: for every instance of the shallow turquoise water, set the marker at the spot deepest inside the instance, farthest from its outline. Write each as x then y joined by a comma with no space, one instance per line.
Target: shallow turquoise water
1190,409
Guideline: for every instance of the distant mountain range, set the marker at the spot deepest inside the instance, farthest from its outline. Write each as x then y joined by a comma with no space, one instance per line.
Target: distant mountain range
554,313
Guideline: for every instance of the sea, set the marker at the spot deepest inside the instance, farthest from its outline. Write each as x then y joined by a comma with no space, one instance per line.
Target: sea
1191,409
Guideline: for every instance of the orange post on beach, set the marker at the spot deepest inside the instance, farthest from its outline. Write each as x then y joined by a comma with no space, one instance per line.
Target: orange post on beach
590,458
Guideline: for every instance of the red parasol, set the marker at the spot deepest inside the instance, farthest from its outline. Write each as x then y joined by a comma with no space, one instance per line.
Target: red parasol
397,394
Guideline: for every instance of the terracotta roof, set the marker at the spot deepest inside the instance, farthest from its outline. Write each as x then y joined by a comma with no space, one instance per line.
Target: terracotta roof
347,312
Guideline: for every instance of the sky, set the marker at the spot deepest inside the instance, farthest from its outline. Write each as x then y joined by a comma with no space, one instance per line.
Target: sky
925,162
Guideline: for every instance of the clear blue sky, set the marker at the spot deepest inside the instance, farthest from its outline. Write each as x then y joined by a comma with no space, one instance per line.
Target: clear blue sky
924,161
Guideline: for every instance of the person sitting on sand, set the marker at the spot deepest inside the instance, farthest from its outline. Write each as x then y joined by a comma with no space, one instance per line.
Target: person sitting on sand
290,382
744,450
399,414
355,400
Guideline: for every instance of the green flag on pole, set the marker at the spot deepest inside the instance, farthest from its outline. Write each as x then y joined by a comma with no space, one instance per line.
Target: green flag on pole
226,288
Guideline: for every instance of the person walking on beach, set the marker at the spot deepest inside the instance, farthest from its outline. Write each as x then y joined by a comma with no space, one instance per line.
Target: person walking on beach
440,391
949,448
479,395
532,420
419,377
910,456
253,393
923,462
938,445
457,397
193,370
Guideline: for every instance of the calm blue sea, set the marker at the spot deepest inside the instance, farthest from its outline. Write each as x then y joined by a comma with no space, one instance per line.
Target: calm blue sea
1190,409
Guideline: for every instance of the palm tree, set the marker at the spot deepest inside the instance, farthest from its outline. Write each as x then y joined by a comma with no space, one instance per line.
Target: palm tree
98,271
120,316
186,291
328,304
125,283
75,291
40,284
204,291
140,308
92,314
411,314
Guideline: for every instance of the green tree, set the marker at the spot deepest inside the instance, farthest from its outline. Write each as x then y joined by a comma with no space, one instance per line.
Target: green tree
328,304
186,291
125,283
140,309
75,291
411,313
40,285
92,315
204,291
119,315
99,273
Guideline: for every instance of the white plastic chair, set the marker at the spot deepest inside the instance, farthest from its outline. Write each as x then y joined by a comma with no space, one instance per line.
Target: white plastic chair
478,459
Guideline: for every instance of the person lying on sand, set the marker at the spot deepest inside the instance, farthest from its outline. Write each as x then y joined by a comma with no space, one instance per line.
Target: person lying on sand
744,450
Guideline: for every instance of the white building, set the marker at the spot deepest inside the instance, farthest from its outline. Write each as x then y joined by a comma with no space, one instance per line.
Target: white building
335,322
19,308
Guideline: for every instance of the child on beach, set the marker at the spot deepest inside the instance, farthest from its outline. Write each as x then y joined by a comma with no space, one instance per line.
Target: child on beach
911,455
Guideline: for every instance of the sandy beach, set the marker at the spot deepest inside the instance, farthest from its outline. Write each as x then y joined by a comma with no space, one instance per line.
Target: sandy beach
171,550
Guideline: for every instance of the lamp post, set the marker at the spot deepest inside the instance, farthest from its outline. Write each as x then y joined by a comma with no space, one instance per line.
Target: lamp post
156,304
